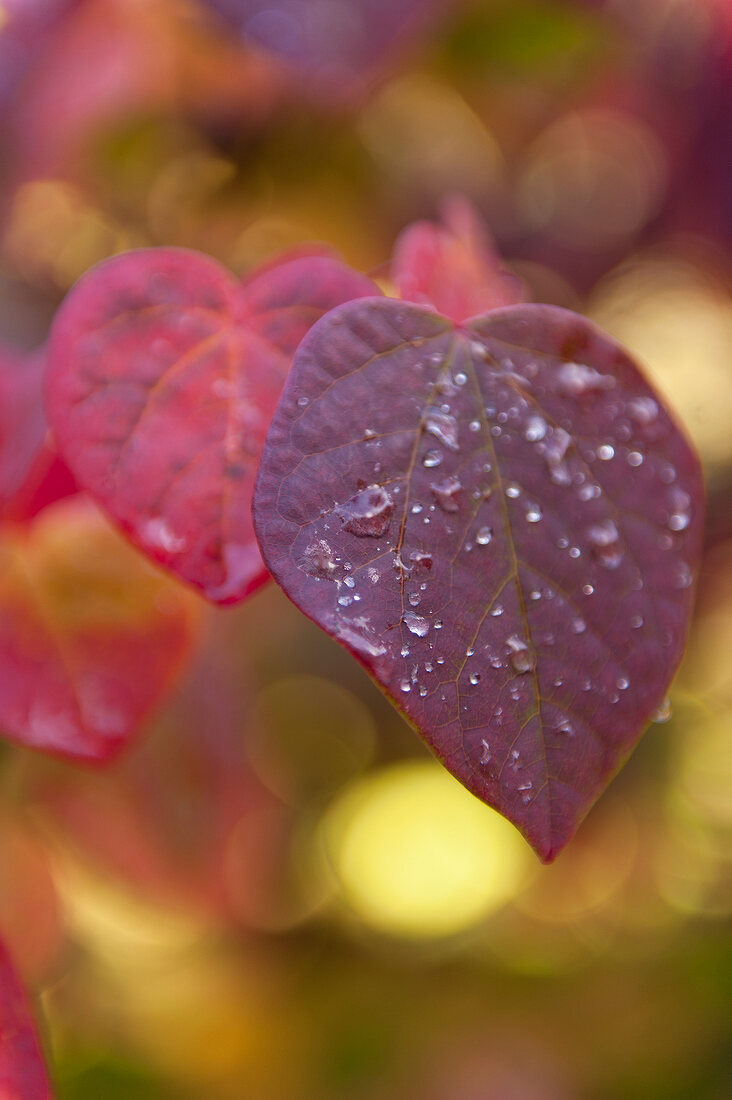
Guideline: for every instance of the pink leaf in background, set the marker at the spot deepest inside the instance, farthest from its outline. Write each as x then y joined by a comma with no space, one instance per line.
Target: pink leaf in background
164,372
91,637
452,266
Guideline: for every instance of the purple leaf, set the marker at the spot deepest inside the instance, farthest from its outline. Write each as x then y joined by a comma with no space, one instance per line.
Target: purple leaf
503,524
333,41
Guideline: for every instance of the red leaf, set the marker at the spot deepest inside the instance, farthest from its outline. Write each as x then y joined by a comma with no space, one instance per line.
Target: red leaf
91,637
503,524
22,422
163,375
452,266
22,1072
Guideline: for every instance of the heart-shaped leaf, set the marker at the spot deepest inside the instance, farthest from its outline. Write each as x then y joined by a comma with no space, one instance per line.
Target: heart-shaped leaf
22,1072
163,374
91,636
503,524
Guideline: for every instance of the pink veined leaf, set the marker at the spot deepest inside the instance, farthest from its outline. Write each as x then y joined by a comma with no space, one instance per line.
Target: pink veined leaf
91,636
452,266
22,1072
163,374
503,524
336,42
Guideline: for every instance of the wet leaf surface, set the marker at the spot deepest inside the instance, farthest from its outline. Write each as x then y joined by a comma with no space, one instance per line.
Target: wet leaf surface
163,374
22,1073
91,636
502,523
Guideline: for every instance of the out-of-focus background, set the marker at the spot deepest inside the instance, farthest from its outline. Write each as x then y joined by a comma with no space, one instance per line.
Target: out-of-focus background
276,893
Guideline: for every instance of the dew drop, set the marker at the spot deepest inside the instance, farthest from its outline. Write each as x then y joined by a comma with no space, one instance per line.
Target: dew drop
679,521
368,513
414,599
637,622
160,534
622,683
446,493
416,509
422,691
533,514
605,541
577,378
683,577
406,686
486,756
643,409
360,642
474,678
635,458
318,561
404,651
416,624
497,610
521,658
369,434
579,626
554,451
535,429
474,425
432,458
484,536
345,600
662,713
605,452
421,558
588,589
513,491
302,402
443,426
460,378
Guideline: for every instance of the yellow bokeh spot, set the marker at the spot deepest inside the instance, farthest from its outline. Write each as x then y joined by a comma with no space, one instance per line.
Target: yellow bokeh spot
416,855
677,321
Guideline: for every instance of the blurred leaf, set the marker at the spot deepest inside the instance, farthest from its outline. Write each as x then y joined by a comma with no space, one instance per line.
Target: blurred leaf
333,42
163,374
452,266
91,638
